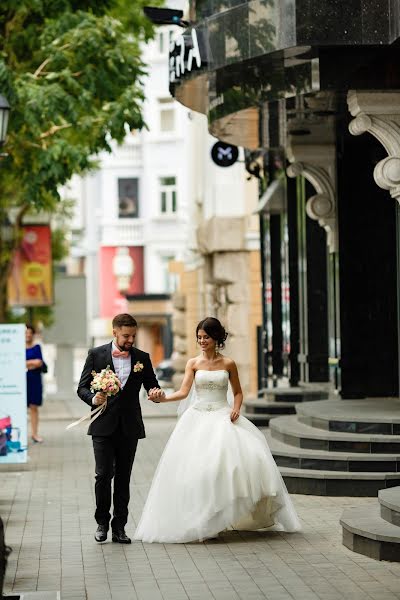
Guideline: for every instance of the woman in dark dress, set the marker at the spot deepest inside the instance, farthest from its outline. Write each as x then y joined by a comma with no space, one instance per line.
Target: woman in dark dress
34,363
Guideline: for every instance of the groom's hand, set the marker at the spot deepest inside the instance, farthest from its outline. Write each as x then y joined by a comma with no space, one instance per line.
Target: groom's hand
99,398
156,395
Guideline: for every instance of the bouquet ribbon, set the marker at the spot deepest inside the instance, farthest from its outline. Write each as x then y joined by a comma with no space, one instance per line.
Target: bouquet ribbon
92,416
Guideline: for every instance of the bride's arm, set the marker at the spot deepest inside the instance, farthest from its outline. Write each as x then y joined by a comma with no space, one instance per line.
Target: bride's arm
236,390
184,389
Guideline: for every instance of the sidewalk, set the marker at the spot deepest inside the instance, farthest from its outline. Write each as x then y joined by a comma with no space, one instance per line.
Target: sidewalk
48,508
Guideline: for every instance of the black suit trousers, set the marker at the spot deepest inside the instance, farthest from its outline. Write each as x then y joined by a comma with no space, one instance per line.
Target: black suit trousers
114,455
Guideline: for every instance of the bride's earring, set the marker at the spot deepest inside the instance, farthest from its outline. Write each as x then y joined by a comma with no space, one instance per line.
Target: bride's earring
216,349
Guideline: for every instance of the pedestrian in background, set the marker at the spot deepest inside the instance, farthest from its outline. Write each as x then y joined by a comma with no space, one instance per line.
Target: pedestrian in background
34,386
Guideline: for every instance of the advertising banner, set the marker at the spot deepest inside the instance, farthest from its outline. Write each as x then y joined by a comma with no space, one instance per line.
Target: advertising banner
13,418
30,282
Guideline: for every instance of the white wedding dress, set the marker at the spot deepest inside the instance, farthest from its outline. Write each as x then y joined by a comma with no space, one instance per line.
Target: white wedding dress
214,475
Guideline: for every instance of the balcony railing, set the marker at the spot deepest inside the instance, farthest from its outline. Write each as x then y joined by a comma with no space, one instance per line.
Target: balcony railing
123,232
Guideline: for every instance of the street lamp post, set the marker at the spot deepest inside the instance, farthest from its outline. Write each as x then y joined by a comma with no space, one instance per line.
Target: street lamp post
4,115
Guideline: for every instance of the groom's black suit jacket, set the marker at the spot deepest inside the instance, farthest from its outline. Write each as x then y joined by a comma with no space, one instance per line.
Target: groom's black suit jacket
124,408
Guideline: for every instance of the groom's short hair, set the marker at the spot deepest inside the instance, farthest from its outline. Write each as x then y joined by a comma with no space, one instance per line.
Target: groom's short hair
123,320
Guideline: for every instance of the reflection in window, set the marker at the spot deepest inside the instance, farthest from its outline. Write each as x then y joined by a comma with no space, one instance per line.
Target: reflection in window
128,198
168,195
163,40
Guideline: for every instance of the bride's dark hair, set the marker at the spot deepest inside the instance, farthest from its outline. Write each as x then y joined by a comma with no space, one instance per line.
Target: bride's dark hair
214,329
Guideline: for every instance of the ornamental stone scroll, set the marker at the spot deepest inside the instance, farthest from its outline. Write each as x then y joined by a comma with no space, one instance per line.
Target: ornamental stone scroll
322,206
378,113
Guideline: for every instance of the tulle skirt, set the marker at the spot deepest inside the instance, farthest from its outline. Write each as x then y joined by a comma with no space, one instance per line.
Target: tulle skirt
214,475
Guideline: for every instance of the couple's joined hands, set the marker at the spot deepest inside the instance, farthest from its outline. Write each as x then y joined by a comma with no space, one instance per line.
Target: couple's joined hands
156,395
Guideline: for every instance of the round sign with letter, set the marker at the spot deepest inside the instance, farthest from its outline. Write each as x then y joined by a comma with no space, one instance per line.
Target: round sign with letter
224,155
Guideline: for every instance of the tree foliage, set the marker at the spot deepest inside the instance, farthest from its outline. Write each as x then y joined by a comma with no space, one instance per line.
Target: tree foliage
72,72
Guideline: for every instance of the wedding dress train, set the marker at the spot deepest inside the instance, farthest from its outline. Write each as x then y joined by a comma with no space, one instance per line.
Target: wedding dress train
214,475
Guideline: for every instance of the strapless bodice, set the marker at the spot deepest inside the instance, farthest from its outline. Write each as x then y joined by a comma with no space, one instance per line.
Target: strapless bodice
211,389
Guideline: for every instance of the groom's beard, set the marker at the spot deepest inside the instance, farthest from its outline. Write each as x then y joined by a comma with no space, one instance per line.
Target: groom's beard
125,347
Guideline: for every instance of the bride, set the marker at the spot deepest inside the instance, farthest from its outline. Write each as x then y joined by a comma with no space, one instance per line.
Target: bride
216,471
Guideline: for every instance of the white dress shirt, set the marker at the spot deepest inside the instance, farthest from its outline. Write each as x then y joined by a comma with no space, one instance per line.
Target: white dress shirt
122,365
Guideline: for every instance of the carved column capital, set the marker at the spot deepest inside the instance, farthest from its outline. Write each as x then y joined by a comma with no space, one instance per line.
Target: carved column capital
378,113
322,206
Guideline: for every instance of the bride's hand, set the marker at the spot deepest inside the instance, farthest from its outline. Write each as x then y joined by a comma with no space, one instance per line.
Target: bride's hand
235,414
156,395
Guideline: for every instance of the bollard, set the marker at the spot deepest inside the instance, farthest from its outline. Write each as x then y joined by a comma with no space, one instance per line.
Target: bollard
4,553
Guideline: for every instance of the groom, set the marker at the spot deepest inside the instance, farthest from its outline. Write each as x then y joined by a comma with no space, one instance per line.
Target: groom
116,432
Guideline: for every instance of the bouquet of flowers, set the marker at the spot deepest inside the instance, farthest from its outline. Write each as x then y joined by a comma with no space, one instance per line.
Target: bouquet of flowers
106,382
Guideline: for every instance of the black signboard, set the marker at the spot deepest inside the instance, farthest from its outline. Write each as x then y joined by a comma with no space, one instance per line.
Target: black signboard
224,155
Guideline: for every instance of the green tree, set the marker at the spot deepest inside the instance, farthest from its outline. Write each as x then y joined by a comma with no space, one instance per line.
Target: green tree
71,71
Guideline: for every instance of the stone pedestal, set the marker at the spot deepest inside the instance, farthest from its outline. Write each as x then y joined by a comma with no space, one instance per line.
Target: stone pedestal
64,371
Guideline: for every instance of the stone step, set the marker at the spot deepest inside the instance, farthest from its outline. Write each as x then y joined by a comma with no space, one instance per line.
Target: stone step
264,407
377,415
290,431
365,532
295,394
389,501
337,483
303,458
262,420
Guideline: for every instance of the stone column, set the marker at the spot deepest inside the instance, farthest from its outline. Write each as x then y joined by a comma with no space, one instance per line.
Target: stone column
292,221
369,286
312,156
276,293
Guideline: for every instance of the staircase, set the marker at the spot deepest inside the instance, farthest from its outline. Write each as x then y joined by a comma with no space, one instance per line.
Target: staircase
338,447
280,401
375,530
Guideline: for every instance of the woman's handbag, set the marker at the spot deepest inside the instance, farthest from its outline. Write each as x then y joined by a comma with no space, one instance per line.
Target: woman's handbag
43,368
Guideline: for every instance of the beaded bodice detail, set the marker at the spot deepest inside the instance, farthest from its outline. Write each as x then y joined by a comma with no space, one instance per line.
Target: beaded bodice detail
211,390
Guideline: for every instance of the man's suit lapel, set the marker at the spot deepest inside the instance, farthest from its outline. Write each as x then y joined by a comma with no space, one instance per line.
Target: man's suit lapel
108,357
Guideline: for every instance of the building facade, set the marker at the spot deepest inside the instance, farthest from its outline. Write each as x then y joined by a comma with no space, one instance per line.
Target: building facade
311,92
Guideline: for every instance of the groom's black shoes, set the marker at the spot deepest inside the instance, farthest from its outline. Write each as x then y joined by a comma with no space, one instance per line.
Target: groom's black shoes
101,533
119,535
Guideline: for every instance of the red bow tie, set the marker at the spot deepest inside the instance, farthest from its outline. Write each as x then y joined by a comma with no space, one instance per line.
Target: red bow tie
120,353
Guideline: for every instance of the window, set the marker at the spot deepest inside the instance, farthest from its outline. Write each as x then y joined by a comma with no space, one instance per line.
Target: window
168,195
170,279
167,114
128,198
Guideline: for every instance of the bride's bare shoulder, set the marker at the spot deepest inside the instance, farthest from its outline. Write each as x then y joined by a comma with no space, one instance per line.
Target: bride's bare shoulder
229,363
191,363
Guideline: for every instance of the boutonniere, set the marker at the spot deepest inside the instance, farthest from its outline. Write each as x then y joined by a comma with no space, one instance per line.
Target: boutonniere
137,367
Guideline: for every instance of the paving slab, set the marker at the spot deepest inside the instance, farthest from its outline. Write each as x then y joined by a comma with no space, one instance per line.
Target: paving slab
48,507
